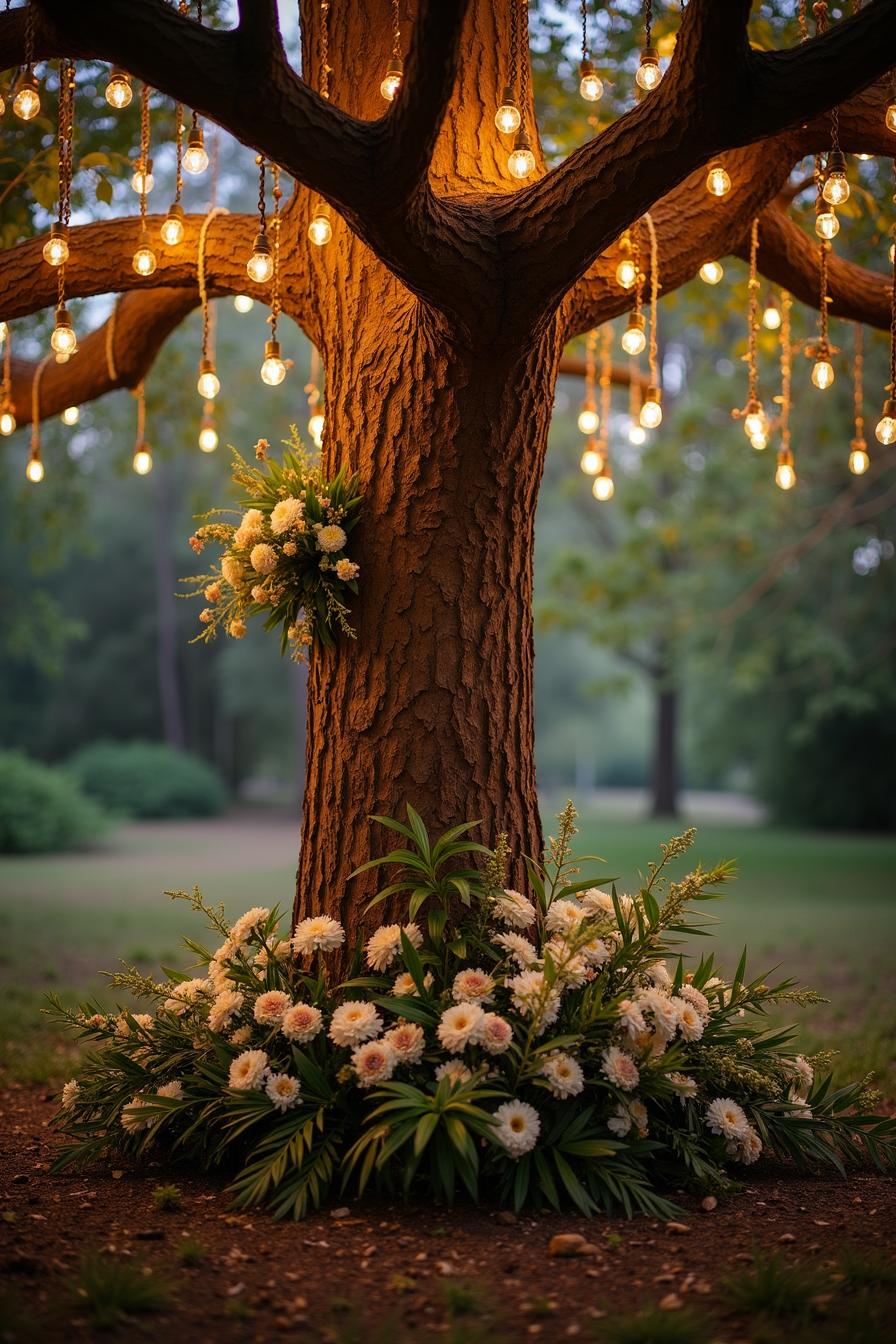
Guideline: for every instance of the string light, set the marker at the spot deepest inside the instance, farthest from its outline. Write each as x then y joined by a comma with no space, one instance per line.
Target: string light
711,272
589,419
273,369
243,303
71,415
320,230
651,408
771,316
26,102
208,435
118,90
142,461
885,429
63,338
56,248
785,471
626,271
521,161
395,69
590,461
7,413
144,259
260,266
590,85
859,461
603,487
34,469
508,118
173,225
196,156
753,414
648,74
315,401
634,339
718,183
637,435
208,385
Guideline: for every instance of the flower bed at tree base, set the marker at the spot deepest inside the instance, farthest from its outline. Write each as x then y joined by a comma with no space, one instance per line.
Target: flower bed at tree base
526,1050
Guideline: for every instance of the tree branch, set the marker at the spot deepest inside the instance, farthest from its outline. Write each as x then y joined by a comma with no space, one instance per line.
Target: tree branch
573,366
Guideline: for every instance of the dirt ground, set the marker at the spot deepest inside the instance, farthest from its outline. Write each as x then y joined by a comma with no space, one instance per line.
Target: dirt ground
374,1271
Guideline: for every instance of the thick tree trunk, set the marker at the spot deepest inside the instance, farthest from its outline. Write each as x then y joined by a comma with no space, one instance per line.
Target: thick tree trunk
664,782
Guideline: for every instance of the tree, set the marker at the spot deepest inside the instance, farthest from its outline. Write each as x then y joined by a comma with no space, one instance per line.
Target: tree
441,309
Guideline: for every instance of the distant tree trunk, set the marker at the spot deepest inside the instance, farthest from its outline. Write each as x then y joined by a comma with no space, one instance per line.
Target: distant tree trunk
664,778
167,673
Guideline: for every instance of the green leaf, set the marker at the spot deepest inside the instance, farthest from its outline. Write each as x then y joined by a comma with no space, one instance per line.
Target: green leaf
103,190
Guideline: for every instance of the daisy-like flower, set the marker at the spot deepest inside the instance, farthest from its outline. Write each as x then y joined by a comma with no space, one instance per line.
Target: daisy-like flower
749,1148
518,947
664,1010
455,1071
247,923
638,1112
248,1070
595,952
232,570
658,974
407,1041
184,994
564,1075
495,1034
620,1122
802,1073
572,969
237,629
725,1117
301,1023
631,1018
318,934
96,1021
287,514
404,983
123,1027
698,1000
70,1094
283,1090
331,538
270,1007
226,1004
384,944
564,916
685,1086
517,1127
597,902
459,1026
280,951
174,1091
690,1023
619,1069
347,570
354,1022
374,1062
472,986
263,558
251,527
511,907
131,1121
529,994
242,1036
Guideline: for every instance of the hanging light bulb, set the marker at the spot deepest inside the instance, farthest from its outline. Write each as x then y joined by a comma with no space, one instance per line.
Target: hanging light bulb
63,338
208,435
243,303
208,384
859,461
759,441
320,230
56,246
771,316
260,266
626,273
711,272
649,73
651,410
118,91
589,420
836,187
273,370
34,470
822,372
173,227
144,259
7,423
521,161
316,427
590,85
142,180
827,225
864,158
634,338
142,462
195,155
392,79
603,487
26,103
754,419
507,117
637,434
718,183
891,116
885,429
892,252
591,459
785,473
71,415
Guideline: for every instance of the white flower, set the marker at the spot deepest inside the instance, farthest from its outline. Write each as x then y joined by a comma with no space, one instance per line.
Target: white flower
250,528
472,986
685,1086
263,558
404,983
597,902
619,1069
530,995
301,1023
248,1070
699,1001
749,1148
664,1010
522,951
384,944
495,1034
228,1002
123,1027
455,1071
407,1041
283,1090
354,1022
518,1127
459,1026
331,537
318,934
242,1036
70,1094
130,1120
631,1018
347,570
270,1007
803,1075
232,570
725,1117
563,916
512,908
374,1062
690,1023
287,514
247,922
658,974
571,968
173,1091
280,951
564,1075
595,952
628,1113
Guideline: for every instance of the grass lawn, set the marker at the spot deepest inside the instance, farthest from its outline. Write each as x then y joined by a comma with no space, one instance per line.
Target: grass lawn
824,906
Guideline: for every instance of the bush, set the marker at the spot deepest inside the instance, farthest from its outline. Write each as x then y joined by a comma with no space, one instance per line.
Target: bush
148,779
42,809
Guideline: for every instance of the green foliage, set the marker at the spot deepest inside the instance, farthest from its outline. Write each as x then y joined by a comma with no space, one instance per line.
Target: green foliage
148,779
43,809
774,1287
190,1252
167,1198
114,1290
654,1326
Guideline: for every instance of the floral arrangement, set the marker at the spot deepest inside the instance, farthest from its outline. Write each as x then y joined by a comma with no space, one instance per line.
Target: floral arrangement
540,1046
285,557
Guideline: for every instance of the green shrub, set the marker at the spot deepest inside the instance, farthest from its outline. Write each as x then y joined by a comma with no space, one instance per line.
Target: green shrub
148,779
42,809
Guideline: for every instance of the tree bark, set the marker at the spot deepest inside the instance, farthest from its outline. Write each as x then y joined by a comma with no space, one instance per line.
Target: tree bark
664,779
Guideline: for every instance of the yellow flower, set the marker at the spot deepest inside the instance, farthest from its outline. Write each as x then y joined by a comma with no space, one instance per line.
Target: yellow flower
236,629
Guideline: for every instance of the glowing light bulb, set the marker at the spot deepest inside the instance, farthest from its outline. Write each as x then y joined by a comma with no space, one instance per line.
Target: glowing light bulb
822,374
273,370
864,157
316,428
771,317
195,156
56,246
885,429
754,419
836,188
320,230
626,273
649,73
718,183
603,487
590,85
142,462
827,225
785,474
144,260
859,461
62,338
118,91
711,272
589,420
26,103
4,331
633,338
392,80
208,384
759,441
591,459
637,434
243,303
173,227
34,470
522,161
651,410
507,117
260,266
142,180
71,415
891,117
208,435
2,105
7,423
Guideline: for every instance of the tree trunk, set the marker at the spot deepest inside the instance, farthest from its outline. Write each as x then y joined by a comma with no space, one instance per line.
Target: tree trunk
664,783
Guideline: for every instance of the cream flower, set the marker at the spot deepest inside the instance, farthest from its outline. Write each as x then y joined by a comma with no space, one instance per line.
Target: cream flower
347,570
318,934
699,1001
237,629
242,1036
331,537
248,1070
522,951
495,1034
373,1062
531,995
472,986
628,1113
658,974
685,1086
517,1127
232,570
455,1071
690,1023
749,1148
459,1026
512,908
354,1022
564,1075
226,1004
287,514
564,916
725,1117
301,1023
631,1018
70,1094
270,1007
173,1091
619,1069
384,944
247,923
250,528
263,558
131,1121
283,1090
404,983
408,1041
595,952
185,993
802,1073
664,1010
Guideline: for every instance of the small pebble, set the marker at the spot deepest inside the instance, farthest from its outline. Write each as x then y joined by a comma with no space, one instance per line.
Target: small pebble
566,1244
709,1203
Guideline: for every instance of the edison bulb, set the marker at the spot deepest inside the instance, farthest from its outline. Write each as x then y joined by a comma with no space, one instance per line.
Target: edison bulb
173,228
316,428
759,441
71,415
822,374
142,180
208,384
118,91
273,370
718,183
56,246
859,461
144,259
827,225
243,303
785,474
891,117
522,161
320,230
651,411
62,338
34,470
885,429
836,188
633,338
754,420
589,420
208,435
590,85
711,272
7,423
892,252
590,461
507,117
26,103
260,266
195,156
626,273
392,81
637,434
603,487
771,317
4,331
649,73
142,463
